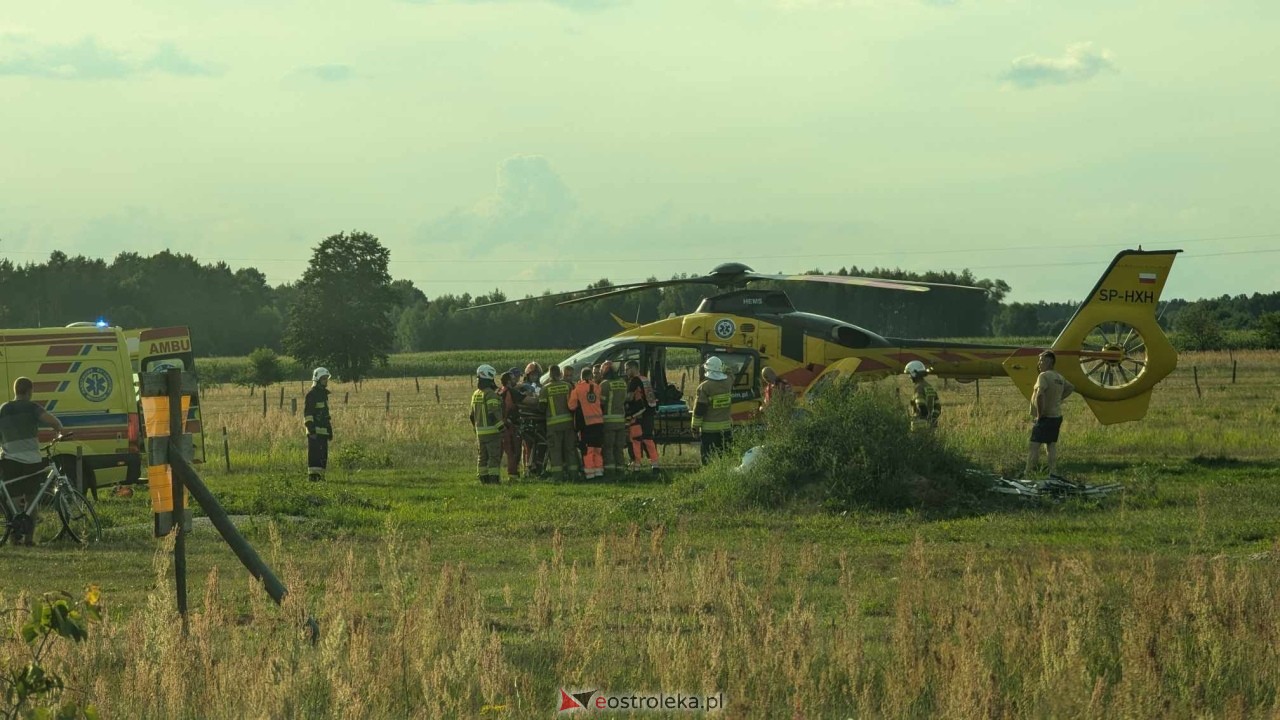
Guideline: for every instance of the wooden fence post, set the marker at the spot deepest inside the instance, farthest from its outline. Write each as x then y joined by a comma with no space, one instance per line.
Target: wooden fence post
977,391
293,405
416,387
1233,372
388,402
346,397
282,396
226,448
1195,375
264,402
437,393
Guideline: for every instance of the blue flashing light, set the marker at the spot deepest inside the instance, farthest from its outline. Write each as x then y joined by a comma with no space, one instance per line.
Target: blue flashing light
101,323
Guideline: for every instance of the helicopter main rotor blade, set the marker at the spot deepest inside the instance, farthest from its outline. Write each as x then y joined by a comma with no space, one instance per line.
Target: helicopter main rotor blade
636,287
555,296
906,285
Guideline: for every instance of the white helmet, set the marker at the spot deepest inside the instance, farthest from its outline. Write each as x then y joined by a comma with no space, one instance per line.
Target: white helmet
715,368
319,373
915,368
486,372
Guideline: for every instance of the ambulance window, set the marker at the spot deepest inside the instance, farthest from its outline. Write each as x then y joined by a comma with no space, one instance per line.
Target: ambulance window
165,364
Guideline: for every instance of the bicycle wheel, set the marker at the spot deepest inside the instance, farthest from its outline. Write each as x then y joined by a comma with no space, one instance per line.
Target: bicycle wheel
48,518
79,517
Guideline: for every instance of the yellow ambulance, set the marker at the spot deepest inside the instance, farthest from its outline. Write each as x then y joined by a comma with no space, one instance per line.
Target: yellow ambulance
157,350
82,375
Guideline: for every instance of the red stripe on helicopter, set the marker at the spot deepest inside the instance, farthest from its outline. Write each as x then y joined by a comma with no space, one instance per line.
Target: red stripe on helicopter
869,365
905,358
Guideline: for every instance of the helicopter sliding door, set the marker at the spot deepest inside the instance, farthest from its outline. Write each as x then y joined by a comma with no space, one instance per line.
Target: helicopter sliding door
743,367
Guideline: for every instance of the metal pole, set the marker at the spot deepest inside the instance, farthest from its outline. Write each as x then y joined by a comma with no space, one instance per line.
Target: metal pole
176,430
183,472
226,448
80,468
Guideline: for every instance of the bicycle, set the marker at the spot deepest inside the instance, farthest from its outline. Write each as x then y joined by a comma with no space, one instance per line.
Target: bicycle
76,517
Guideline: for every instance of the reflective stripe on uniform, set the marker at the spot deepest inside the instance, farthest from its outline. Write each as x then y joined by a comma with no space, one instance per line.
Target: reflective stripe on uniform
482,404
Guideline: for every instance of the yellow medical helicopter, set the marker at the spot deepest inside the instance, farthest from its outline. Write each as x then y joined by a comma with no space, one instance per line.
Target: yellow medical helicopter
1112,350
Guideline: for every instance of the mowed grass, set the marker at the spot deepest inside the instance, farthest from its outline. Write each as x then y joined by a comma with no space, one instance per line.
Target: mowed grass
439,597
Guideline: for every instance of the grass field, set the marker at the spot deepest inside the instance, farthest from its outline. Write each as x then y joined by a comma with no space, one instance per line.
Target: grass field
439,597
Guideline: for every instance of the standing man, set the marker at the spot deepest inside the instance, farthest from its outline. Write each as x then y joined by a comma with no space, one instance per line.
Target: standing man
584,401
512,397
1046,411
613,398
775,390
925,406
486,418
20,421
562,443
642,406
713,409
315,414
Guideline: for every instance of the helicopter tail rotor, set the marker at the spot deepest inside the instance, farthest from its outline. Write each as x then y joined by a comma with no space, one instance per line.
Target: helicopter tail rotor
1113,350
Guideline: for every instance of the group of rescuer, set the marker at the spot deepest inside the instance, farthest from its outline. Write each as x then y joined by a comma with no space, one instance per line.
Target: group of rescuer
595,424
1050,390
594,428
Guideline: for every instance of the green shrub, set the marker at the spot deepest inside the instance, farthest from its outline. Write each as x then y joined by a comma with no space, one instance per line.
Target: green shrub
851,447
1269,330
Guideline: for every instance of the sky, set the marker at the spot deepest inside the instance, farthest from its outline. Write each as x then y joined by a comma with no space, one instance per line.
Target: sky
525,145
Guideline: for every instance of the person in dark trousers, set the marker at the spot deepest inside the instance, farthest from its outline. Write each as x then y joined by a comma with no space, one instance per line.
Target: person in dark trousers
486,418
713,409
925,405
641,408
315,414
533,420
20,421
1046,412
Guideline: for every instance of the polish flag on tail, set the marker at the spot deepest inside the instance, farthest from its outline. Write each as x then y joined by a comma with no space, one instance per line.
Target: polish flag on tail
1147,278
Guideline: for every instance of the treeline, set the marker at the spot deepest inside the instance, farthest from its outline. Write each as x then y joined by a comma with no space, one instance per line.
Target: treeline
232,312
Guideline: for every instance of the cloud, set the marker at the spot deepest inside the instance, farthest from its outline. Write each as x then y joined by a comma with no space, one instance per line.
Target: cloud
327,73
1081,62
87,59
531,208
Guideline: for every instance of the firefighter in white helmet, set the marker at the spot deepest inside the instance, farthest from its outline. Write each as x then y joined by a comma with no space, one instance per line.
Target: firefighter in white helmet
315,414
925,406
713,408
486,418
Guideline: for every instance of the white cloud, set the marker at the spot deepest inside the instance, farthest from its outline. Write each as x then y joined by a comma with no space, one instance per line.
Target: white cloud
87,59
531,208
1081,62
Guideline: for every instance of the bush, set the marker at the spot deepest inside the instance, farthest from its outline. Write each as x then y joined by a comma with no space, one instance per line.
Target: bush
1199,328
265,367
1269,330
851,447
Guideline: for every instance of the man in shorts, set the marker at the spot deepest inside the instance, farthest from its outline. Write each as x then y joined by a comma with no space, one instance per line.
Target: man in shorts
1046,412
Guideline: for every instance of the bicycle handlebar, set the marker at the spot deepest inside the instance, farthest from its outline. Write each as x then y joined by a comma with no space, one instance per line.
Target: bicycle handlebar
57,439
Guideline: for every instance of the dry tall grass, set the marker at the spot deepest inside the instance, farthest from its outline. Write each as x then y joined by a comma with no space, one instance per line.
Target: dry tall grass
1015,635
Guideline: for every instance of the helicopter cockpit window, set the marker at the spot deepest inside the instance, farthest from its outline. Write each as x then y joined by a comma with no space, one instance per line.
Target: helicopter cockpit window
590,354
